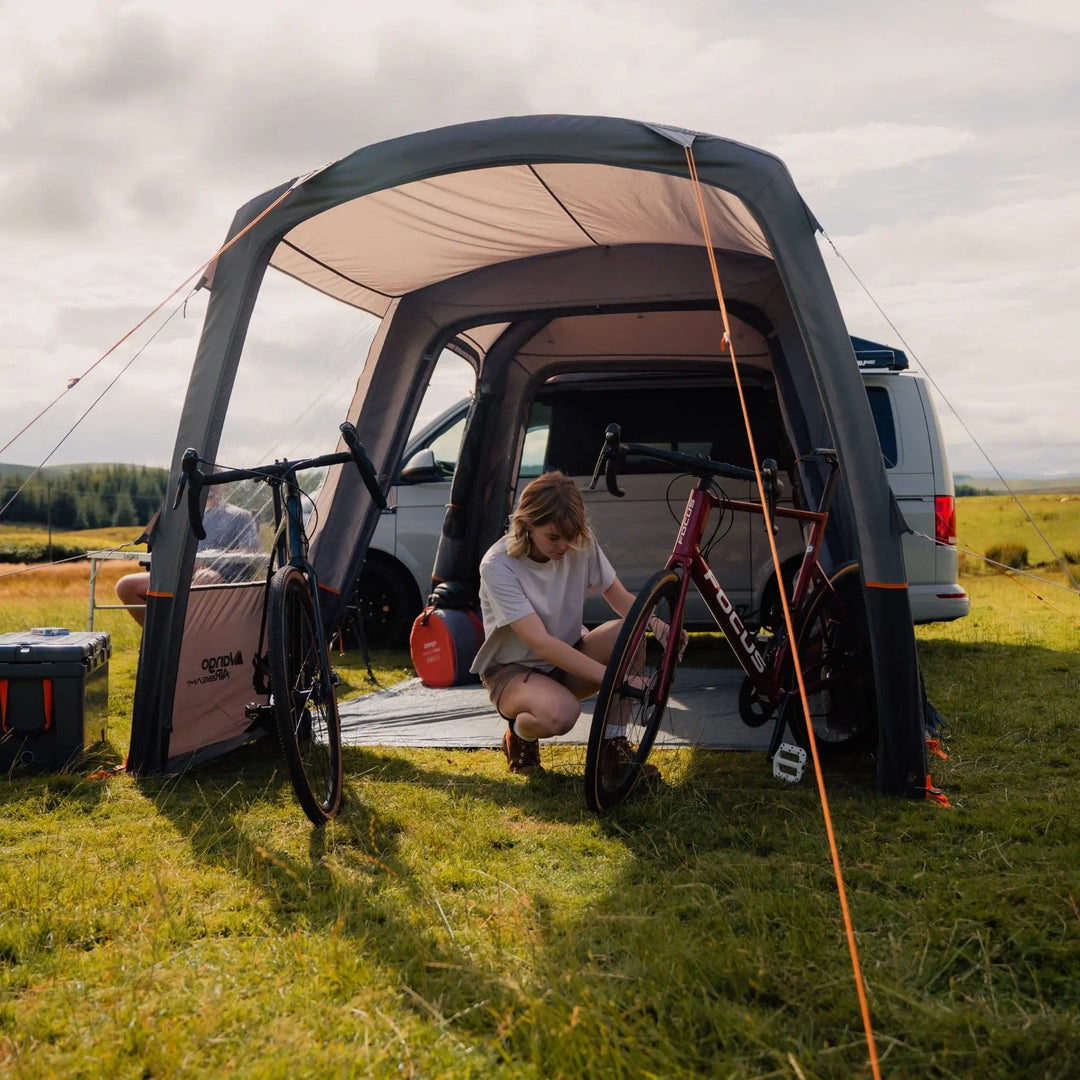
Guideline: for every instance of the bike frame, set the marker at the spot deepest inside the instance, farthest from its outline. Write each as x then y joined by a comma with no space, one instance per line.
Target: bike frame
291,548
686,558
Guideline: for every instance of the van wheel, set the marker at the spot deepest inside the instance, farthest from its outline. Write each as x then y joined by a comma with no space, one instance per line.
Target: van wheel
387,601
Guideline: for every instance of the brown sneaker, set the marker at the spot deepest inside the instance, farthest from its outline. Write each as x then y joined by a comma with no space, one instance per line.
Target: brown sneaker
615,755
522,755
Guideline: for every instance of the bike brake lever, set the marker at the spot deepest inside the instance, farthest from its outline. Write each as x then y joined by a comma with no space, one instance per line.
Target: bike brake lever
605,454
191,478
363,464
600,462
770,480
180,485
608,461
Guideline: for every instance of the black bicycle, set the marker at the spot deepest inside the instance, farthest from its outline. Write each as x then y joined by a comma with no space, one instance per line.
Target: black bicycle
294,670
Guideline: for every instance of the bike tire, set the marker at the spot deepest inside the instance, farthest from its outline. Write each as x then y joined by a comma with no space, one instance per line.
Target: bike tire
607,781
302,693
838,673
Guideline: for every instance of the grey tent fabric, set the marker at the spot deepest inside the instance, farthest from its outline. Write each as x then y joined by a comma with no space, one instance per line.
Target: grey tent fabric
485,233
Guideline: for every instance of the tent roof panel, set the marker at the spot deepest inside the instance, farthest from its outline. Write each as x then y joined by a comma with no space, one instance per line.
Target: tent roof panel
394,241
678,335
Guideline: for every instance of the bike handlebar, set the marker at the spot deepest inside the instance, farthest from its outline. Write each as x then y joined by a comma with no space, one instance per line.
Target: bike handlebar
696,465
193,479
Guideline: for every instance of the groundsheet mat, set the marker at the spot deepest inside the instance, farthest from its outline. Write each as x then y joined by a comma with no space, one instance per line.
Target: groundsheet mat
702,711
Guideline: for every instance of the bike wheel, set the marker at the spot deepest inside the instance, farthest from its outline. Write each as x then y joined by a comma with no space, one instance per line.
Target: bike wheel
626,720
302,690
838,673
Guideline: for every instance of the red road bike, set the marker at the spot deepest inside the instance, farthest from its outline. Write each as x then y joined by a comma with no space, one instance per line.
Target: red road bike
828,616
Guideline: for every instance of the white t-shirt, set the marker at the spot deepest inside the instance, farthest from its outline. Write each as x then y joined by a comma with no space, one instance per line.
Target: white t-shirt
511,589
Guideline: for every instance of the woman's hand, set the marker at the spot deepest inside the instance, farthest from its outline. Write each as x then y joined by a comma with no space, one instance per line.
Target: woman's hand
661,630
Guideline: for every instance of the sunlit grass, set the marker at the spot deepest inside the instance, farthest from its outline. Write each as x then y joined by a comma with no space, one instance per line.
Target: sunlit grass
1047,525
459,921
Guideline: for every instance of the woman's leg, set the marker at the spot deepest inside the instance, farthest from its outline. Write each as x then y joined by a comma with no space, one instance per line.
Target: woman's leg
131,589
536,706
539,706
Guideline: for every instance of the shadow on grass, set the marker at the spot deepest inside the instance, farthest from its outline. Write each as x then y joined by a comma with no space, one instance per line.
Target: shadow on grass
79,782
692,931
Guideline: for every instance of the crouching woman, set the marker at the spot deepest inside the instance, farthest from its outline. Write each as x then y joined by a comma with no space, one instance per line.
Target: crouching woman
538,661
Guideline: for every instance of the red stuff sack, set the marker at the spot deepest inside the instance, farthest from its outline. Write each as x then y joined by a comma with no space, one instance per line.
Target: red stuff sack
443,643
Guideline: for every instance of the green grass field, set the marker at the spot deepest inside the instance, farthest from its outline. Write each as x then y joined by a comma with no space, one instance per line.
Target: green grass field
983,521
459,921
88,539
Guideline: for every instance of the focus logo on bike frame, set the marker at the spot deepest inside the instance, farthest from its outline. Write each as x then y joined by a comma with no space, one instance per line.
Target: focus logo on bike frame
685,521
746,639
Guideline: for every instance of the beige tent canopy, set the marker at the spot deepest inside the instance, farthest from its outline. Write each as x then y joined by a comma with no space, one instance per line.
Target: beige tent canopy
534,246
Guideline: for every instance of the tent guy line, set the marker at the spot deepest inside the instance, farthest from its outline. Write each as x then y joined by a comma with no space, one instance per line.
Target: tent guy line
93,404
73,382
797,659
953,409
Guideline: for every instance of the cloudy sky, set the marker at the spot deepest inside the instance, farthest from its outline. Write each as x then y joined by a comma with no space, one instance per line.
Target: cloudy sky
937,142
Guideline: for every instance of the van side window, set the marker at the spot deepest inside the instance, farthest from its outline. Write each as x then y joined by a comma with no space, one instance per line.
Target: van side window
534,451
881,408
446,446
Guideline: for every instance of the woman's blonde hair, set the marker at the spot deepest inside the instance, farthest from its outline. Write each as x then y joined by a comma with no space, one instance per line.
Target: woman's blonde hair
550,499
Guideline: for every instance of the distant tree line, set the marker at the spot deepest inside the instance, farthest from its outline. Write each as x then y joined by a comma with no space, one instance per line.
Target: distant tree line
86,496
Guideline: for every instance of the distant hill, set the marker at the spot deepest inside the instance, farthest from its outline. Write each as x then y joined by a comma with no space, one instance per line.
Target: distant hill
991,485
7,471
84,496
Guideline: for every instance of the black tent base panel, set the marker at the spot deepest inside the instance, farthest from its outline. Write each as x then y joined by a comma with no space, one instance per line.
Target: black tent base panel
902,767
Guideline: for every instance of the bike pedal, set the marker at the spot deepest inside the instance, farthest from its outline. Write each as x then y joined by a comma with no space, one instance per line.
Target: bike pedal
335,678
789,763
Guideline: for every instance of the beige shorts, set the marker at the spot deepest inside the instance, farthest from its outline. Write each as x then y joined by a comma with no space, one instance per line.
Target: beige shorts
496,678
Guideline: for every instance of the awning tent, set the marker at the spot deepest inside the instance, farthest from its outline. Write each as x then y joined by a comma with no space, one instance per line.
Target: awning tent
535,245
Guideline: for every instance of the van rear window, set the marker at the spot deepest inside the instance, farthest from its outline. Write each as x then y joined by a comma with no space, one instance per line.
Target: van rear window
881,407
703,420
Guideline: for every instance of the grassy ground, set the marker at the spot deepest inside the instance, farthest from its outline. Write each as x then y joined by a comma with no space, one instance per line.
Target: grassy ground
983,521
89,539
459,921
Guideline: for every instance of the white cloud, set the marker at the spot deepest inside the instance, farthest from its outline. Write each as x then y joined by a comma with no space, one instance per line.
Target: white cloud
937,142
984,301
1055,15
825,158
985,243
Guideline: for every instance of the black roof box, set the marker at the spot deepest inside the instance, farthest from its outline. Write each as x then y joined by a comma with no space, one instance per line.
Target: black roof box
870,354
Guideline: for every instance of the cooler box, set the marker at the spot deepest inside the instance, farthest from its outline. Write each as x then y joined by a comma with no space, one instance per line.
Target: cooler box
54,697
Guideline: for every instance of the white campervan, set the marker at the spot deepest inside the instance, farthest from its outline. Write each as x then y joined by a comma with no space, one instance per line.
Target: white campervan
677,409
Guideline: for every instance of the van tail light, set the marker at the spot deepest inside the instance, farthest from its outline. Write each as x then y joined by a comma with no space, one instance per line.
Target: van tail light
945,519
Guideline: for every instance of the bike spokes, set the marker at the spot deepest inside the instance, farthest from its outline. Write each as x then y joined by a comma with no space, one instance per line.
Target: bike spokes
837,669
306,712
633,697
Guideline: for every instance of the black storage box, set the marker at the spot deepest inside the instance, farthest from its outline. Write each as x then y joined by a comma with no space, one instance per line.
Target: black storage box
54,697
